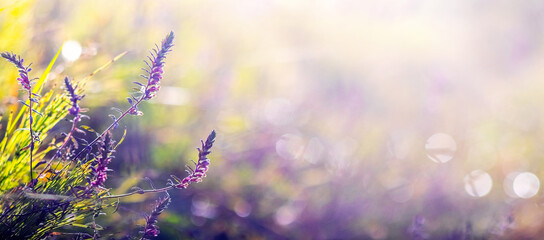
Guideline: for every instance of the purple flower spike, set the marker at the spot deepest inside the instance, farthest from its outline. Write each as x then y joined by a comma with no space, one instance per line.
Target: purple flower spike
155,64
23,71
100,165
150,229
201,167
74,98
146,91
25,82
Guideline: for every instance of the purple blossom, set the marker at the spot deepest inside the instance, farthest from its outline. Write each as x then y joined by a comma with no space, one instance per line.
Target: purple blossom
23,71
196,175
155,65
201,167
25,82
147,91
151,229
100,165
74,98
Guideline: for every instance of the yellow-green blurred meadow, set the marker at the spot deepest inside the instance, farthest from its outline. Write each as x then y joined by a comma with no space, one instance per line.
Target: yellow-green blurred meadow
392,119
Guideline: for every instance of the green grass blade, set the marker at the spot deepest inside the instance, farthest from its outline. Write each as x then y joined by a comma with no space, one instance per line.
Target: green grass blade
39,85
116,58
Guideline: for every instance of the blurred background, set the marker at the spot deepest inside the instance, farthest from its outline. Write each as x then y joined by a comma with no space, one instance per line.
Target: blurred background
390,119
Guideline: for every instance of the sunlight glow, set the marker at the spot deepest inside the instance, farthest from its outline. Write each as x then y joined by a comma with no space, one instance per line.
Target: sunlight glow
71,50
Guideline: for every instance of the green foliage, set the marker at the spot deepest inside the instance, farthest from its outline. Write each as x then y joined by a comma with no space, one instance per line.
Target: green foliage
33,212
34,215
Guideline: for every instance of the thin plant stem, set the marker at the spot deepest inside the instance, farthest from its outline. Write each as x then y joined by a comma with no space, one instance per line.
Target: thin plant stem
164,189
155,65
89,146
31,132
66,140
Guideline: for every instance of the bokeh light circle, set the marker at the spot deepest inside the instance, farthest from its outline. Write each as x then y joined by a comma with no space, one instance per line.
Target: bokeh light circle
242,208
478,183
286,215
526,185
440,147
71,50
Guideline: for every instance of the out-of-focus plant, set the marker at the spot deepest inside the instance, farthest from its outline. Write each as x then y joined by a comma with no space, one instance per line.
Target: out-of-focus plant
41,193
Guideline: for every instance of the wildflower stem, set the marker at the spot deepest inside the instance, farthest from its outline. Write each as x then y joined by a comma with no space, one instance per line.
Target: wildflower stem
74,110
155,64
89,146
164,189
66,140
195,175
31,132
25,82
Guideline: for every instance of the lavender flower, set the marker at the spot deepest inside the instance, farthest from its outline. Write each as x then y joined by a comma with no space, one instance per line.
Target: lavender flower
148,91
150,229
74,98
201,167
23,71
100,165
25,82
196,175
155,65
